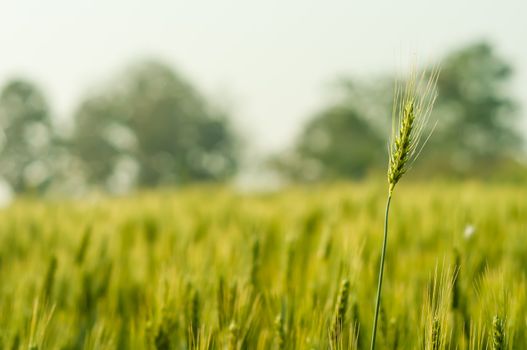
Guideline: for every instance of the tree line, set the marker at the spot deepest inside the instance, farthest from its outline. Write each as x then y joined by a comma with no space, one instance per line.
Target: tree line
149,127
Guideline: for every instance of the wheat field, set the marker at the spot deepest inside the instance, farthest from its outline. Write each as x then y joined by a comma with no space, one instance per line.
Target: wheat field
211,268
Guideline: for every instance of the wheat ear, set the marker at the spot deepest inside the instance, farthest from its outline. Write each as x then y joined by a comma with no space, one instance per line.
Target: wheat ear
412,106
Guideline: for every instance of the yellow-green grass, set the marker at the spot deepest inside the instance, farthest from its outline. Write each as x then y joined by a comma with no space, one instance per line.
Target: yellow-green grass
143,271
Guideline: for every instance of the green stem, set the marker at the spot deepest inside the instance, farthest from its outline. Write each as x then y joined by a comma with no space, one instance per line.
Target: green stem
381,272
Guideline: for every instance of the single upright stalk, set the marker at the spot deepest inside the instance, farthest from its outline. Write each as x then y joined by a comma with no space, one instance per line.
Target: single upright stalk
409,115
381,272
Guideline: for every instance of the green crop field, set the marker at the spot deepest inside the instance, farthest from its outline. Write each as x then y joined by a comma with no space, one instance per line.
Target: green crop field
210,268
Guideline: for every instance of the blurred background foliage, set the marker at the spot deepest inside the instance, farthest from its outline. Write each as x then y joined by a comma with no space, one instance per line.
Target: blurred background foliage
475,132
152,125
148,126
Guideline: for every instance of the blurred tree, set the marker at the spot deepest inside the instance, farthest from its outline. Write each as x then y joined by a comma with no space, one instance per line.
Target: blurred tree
477,124
476,131
97,138
336,143
27,137
153,123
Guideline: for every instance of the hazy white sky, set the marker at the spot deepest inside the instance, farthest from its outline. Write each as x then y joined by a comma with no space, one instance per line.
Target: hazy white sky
272,60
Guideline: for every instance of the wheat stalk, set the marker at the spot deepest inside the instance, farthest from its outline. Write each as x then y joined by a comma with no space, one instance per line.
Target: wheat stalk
280,332
498,337
435,342
233,336
340,311
412,106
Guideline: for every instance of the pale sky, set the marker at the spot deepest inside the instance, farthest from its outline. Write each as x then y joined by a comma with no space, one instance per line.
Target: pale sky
272,61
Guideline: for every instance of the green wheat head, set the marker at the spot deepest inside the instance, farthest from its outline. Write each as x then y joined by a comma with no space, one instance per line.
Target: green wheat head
412,106
340,311
498,331
436,334
280,332
232,343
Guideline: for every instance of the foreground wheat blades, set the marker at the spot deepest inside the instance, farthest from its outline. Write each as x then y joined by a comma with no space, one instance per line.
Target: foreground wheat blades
412,106
160,271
